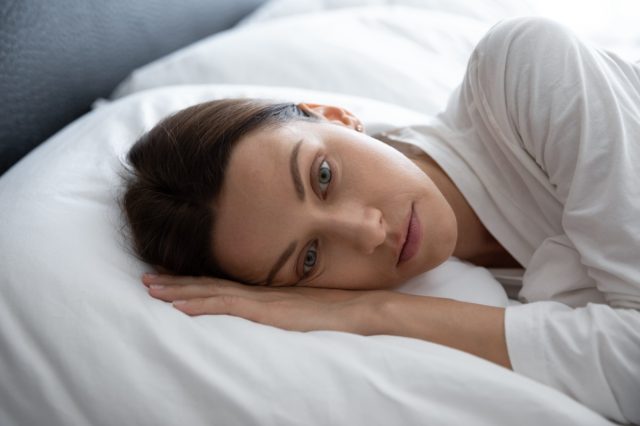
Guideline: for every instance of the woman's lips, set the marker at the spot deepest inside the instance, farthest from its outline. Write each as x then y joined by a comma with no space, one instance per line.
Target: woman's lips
412,238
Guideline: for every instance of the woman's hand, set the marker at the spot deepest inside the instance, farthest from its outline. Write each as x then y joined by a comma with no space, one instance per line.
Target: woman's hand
473,328
289,308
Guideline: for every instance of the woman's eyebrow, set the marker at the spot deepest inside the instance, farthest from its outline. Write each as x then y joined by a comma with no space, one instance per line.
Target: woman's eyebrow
281,261
297,183
295,171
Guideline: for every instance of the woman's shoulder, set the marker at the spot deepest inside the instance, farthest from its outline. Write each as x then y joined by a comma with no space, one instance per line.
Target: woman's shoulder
410,150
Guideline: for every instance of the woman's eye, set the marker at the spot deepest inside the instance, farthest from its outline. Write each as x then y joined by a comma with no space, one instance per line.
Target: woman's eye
310,258
324,176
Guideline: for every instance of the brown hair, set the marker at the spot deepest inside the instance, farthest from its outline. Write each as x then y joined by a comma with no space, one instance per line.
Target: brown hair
176,173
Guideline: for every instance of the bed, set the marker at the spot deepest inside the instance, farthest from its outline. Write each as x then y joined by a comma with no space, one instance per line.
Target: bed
81,342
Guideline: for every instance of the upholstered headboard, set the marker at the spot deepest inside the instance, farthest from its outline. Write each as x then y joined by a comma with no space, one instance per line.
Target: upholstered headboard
57,57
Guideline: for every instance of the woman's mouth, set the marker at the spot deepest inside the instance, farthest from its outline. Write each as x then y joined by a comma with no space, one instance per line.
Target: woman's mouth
412,238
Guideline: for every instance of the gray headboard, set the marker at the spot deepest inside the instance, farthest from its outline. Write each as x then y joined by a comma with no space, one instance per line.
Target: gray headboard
57,57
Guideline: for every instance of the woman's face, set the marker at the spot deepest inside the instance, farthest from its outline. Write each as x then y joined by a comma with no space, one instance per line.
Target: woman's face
322,205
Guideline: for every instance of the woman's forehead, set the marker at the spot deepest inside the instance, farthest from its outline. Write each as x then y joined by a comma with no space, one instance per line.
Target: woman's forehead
259,169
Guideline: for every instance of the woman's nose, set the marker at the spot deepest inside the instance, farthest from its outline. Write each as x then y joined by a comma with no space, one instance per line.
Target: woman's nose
361,226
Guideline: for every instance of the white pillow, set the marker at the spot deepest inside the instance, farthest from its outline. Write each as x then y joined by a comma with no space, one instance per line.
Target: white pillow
484,10
412,52
610,24
81,341
403,55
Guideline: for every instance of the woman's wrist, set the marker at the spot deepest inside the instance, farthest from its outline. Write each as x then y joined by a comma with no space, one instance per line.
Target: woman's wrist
367,313
473,328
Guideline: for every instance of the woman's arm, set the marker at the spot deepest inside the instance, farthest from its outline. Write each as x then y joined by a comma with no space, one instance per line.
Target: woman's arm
473,328
569,114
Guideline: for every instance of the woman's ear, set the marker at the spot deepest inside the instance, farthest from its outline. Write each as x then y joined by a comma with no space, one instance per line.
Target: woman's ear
332,114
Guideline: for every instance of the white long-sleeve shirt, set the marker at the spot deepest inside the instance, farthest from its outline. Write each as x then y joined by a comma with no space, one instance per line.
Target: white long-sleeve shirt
543,139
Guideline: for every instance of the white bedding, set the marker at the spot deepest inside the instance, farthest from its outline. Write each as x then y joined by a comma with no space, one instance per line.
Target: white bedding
408,52
81,342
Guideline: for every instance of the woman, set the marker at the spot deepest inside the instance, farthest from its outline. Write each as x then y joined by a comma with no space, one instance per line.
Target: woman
532,164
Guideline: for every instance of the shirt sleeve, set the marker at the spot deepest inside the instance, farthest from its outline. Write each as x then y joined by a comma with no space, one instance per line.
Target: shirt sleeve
575,110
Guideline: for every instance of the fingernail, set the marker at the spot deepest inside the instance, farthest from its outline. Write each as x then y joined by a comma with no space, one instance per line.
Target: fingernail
156,286
179,302
148,278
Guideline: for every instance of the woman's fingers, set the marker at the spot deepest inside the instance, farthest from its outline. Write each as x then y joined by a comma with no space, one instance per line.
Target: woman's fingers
178,292
226,304
170,288
275,312
168,280
288,314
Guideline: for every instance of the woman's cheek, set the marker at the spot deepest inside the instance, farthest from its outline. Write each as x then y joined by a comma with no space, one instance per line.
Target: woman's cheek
367,273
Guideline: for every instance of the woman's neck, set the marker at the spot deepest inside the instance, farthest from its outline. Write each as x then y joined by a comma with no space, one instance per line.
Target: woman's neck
474,240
